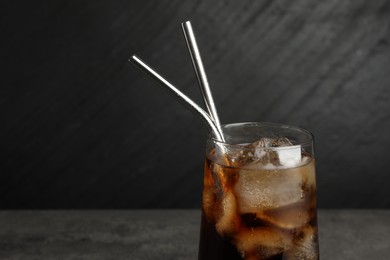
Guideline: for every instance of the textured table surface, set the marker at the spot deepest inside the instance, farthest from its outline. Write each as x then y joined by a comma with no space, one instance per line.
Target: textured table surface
166,234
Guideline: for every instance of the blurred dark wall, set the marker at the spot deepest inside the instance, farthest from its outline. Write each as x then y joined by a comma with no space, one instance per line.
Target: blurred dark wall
82,128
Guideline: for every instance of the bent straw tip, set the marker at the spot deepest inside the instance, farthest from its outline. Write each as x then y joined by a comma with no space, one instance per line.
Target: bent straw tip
188,22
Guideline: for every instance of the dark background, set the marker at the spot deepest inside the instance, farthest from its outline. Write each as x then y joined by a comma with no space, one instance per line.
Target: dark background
82,128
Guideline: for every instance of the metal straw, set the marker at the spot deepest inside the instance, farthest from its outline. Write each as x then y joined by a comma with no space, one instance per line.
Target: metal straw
201,73
191,105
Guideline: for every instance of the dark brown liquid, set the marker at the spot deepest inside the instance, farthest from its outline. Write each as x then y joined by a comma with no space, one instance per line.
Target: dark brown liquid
232,228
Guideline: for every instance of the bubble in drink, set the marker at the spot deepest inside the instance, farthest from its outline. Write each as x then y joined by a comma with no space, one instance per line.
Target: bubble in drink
260,203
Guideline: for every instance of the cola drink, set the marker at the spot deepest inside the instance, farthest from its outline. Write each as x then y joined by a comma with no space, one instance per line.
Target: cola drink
259,195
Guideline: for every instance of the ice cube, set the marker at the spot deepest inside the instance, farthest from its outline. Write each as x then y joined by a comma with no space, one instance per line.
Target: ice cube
282,142
258,190
238,157
289,217
306,247
290,157
256,151
228,221
264,142
265,242
261,153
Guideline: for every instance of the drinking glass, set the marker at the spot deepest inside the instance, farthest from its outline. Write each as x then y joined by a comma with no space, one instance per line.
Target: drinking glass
259,194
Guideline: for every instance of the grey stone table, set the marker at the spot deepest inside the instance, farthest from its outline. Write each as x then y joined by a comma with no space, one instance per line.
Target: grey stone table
166,234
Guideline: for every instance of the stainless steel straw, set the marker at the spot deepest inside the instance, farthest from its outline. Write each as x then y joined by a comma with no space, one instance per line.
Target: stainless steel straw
191,105
201,73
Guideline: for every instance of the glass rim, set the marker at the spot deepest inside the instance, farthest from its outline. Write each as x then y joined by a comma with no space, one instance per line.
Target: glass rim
285,126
